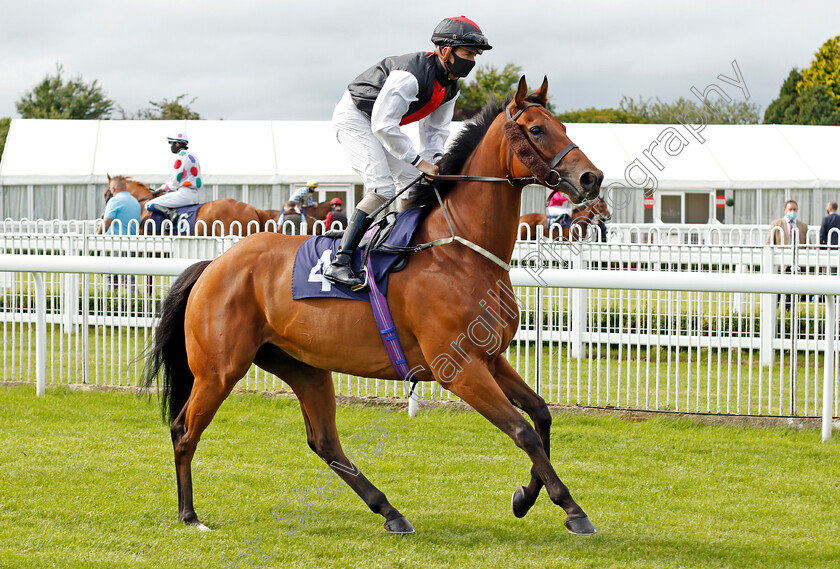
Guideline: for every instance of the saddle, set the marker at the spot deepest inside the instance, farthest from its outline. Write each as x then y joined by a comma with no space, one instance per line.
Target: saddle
375,238
186,219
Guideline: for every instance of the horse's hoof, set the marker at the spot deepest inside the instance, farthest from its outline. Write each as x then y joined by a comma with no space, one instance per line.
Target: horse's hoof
399,525
580,526
193,521
519,504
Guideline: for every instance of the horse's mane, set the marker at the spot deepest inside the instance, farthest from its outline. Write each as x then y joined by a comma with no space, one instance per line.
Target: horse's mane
461,149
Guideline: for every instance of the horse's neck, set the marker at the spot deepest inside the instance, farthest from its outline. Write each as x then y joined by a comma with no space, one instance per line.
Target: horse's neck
486,213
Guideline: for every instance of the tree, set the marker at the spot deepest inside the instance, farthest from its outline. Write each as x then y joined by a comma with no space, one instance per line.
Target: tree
797,105
785,108
489,81
4,132
55,98
682,109
165,110
824,70
817,106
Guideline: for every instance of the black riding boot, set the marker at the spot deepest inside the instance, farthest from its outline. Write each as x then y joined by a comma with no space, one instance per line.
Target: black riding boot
169,212
340,271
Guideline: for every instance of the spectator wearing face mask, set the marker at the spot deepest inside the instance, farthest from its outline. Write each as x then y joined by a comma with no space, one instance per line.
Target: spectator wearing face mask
788,229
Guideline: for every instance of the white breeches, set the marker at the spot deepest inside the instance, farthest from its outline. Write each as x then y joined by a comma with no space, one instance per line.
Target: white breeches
178,198
379,169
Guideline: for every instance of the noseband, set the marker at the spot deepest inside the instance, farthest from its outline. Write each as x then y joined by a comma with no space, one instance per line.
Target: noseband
518,143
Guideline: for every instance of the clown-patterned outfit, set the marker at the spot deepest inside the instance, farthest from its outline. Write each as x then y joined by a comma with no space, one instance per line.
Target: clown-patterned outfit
182,188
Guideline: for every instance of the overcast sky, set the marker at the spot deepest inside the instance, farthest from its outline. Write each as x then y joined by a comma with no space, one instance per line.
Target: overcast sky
275,59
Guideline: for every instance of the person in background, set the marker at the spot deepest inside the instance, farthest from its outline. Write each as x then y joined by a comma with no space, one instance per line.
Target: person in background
336,213
122,212
304,197
121,217
182,188
787,230
829,222
559,209
417,87
289,213
783,230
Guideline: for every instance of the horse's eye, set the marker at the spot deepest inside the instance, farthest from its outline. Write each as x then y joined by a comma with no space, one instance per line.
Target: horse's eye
536,130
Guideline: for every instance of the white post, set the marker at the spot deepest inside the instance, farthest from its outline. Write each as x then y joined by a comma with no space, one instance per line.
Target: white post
577,321
40,335
412,404
828,369
767,309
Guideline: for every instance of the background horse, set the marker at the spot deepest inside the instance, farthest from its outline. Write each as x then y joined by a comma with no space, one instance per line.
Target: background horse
224,211
318,212
587,214
223,315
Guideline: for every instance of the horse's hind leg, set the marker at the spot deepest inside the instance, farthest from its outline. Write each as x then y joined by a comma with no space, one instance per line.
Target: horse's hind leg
316,393
186,430
523,397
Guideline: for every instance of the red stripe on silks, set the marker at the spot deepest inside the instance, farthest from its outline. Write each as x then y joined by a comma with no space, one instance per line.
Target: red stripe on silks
428,108
467,20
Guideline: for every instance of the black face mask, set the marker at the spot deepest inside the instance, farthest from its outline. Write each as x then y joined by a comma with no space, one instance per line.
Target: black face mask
175,147
459,67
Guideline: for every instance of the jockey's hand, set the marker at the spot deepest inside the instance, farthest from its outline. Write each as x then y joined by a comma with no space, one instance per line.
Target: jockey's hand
427,168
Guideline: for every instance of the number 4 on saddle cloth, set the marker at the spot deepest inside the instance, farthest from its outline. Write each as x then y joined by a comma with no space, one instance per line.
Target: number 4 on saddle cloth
317,252
186,220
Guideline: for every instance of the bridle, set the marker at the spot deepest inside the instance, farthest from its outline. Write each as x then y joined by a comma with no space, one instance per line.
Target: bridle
526,153
152,193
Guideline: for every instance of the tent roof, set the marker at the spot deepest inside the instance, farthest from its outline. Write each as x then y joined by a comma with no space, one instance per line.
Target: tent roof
277,152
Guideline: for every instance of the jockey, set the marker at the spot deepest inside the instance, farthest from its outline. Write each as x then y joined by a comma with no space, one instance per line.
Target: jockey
336,213
182,188
303,197
559,209
399,90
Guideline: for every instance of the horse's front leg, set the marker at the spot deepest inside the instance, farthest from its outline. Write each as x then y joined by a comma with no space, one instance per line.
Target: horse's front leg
523,397
477,387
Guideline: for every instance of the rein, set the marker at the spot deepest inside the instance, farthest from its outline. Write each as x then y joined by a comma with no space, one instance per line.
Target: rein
519,144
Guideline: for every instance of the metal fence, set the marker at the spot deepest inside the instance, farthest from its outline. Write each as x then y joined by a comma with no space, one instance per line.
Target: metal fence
717,349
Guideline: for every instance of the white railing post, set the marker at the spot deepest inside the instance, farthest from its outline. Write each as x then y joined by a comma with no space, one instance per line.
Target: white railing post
828,369
767,310
412,404
577,320
70,289
40,335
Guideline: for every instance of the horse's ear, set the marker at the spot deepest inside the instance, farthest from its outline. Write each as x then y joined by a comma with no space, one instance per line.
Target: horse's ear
542,92
109,177
521,92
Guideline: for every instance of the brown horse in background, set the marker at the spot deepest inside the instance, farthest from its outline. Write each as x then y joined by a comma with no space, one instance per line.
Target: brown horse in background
225,216
583,216
318,212
221,316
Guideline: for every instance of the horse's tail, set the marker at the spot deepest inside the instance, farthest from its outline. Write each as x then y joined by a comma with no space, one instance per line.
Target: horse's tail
169,351
264,218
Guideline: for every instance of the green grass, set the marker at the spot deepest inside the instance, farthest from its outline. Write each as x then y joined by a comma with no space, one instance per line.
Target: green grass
88,481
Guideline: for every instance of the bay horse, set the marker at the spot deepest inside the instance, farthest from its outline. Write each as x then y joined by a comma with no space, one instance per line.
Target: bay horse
223,315
582,217
224,211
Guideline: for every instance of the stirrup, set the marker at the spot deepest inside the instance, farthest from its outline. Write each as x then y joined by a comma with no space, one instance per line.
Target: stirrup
364,285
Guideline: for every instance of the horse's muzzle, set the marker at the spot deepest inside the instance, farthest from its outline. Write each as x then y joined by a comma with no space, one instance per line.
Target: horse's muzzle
590,184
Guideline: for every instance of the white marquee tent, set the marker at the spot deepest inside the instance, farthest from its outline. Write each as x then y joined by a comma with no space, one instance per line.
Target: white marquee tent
759,165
